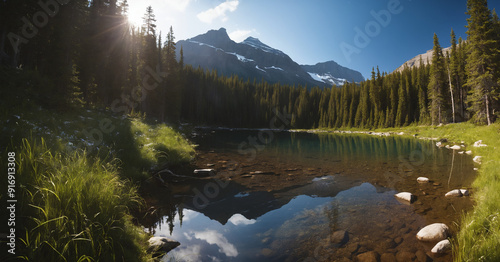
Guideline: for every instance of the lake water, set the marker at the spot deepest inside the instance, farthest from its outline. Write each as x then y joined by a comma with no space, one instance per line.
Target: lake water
281,196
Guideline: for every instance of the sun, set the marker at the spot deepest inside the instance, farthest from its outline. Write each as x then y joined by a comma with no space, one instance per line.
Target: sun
136,10
135,19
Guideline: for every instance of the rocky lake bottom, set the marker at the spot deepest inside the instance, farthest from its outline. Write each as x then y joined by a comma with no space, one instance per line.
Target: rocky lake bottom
310,197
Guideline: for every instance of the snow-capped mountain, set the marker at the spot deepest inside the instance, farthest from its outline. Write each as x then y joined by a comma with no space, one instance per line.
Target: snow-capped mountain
252,59
332,73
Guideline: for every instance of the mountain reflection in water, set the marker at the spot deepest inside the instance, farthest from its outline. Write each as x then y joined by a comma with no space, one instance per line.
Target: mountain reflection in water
309,186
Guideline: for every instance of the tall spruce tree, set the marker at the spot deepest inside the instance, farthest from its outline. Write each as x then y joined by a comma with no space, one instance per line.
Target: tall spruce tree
483,61
437,84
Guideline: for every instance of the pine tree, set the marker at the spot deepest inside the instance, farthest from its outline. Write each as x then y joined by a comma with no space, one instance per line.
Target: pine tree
149,26
437,83
482,62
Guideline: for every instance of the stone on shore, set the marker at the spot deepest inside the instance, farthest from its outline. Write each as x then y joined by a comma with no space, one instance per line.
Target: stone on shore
441,247
433,232
406,196
479,143
456,147
162,244
468,152
477,159
454,193
423,180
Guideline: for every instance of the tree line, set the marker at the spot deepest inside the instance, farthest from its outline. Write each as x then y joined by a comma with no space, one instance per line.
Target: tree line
89,55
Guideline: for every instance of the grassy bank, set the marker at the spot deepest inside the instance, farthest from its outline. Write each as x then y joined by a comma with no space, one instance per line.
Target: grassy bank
77,175
479,236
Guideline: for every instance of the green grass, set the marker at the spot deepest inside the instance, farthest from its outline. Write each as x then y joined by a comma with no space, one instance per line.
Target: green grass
77,177
479,235
76,208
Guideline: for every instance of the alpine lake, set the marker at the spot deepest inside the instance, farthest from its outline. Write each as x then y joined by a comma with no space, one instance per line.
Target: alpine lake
298,196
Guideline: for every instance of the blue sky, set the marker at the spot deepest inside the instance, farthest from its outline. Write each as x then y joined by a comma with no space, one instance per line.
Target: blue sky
313,31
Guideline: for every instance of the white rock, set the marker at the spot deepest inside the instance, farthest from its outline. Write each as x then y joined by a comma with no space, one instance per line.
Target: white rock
479,143
461,152
464,192
477,159
439,144
423,180
476,169
454,193
468,152
447,146
433,232
205,172
441,247
406,196
456,147
162,244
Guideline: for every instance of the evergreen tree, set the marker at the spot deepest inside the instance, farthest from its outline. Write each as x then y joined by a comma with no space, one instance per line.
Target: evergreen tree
437,84
482,62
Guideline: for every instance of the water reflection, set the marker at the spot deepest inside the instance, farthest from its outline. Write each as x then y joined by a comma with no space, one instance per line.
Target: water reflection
289,202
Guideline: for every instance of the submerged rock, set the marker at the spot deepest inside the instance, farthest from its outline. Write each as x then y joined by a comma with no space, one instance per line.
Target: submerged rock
162,244
464,192
433,232
454,193
339,238
441,247
423,180
406,196
204,172
370,256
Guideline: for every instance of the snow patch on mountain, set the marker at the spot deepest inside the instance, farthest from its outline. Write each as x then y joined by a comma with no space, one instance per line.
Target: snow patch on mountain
241,58
328,79
260,69
256,43
274,67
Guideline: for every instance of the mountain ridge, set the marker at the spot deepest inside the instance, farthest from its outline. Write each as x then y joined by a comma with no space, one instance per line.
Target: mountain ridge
253,59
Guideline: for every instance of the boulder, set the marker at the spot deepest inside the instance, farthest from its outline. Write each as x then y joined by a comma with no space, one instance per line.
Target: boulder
477,159
423,180
433,232
454,193
456,147
339,238
370,256
162,244
204,172
406,196
441,247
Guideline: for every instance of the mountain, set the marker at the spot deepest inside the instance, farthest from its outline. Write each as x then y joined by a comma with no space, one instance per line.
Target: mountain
426,59
252,59
332,73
